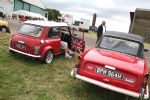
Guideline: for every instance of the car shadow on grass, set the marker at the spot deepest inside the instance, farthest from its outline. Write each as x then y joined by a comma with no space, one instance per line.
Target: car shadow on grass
86,91
36,62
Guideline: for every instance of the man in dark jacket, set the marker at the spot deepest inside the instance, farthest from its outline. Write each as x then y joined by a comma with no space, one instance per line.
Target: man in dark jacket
101,29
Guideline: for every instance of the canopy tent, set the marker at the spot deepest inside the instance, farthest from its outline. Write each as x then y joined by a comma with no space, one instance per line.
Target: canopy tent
29,14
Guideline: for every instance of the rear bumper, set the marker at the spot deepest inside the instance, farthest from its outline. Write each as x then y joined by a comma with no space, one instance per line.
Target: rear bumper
107,86
35,56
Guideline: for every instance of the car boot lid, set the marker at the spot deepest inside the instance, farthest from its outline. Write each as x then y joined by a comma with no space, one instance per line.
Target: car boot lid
115,59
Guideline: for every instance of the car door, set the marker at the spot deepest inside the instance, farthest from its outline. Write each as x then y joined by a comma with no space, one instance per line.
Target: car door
53,39
78,42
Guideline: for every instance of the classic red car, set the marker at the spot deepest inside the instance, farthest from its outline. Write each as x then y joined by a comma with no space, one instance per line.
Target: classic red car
41,39
117,63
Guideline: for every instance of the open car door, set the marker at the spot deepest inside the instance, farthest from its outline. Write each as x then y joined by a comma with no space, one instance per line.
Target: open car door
78,42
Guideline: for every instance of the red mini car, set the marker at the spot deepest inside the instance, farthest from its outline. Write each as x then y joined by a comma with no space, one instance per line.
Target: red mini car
117,63
42,39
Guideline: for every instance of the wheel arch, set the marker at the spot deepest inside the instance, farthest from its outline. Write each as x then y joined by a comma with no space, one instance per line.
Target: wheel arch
6,27
45,50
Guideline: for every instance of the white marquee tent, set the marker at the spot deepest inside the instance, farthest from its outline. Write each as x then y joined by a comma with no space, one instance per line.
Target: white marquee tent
29,14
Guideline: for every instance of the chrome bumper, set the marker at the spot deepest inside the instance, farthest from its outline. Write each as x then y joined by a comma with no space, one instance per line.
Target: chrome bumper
107,86
35,56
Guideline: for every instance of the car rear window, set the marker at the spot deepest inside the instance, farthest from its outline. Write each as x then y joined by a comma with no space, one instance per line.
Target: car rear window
31,30
120,45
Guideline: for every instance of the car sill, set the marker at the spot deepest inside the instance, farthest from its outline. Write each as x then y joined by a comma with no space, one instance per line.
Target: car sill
36,56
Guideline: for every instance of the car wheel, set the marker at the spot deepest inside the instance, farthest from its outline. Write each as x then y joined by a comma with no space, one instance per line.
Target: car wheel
3,29
49,57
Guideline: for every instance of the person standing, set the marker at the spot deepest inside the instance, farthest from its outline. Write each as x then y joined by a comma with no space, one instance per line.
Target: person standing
101,29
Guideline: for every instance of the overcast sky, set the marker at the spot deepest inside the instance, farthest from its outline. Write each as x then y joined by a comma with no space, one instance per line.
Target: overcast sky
116,13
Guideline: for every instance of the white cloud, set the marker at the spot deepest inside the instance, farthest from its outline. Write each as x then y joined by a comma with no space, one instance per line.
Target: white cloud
115,12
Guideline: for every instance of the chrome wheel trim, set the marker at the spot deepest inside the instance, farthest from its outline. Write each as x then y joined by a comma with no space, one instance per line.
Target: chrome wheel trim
3,30
49,57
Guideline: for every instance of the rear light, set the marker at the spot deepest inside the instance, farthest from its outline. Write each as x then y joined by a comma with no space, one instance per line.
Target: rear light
42,41
90,68
145,81
36,50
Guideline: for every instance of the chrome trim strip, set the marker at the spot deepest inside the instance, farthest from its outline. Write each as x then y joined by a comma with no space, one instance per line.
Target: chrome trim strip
107,86
110,67
36,56
21,42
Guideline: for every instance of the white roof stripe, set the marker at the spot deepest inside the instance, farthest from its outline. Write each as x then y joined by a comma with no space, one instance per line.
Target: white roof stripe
37,3
47,23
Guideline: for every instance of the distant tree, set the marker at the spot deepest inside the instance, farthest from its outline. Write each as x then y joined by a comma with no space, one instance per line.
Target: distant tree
53,14
1,14
76,23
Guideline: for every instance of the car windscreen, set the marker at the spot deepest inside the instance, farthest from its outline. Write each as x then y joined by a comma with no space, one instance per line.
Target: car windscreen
31,30
120,45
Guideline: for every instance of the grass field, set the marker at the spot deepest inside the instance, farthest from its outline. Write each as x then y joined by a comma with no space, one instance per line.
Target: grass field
22,78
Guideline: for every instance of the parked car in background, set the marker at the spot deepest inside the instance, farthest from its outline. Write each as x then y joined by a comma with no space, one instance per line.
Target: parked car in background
4,26
42,40
116,63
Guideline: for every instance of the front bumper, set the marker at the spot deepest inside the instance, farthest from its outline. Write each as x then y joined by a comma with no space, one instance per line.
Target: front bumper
35,56
107,86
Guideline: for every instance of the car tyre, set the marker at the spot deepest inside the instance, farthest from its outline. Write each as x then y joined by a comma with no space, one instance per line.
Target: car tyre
3,29
49,57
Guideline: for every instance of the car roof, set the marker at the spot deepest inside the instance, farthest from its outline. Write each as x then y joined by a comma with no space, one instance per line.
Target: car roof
124,35
46,23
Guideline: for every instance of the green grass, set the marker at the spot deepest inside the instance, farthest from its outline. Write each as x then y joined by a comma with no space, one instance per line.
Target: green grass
23,78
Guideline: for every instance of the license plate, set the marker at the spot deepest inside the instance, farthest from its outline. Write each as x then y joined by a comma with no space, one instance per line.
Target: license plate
21,46
110,73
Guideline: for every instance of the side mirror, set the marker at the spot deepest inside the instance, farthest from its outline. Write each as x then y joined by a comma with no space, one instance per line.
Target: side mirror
146,50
